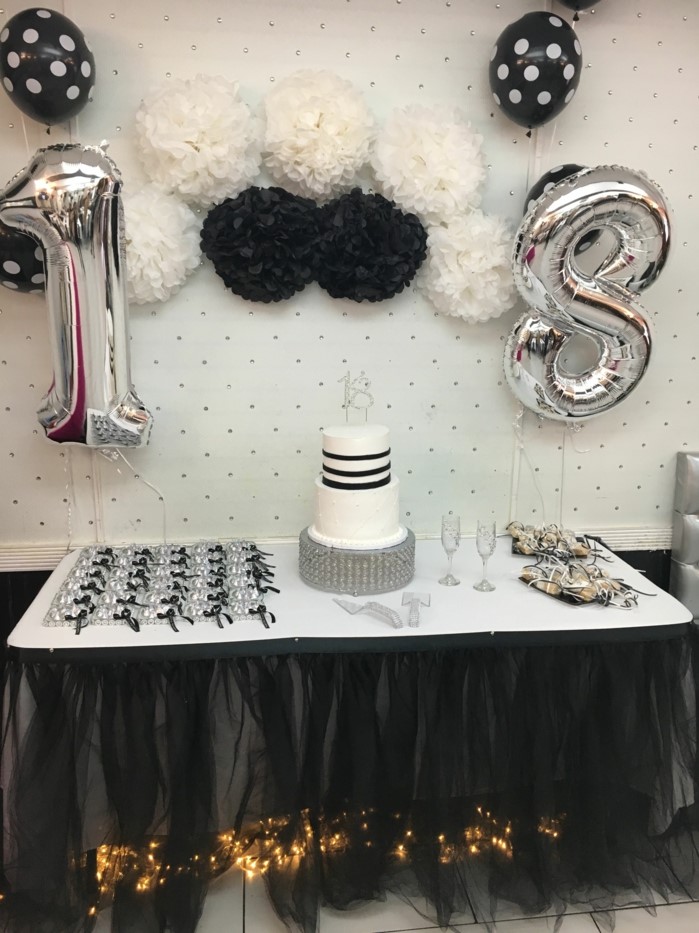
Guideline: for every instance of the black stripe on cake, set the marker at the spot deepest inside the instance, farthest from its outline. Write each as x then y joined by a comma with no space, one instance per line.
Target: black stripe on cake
355,457
381,482
381,469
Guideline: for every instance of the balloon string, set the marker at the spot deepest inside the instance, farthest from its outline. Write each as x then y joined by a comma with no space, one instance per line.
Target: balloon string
516,464
68,472
97,497
561,484
26,138
518,426
112,454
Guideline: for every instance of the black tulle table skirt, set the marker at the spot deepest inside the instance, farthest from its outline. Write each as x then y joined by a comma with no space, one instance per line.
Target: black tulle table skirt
477,778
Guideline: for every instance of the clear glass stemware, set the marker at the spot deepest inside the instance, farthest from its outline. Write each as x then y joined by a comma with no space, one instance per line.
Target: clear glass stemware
451,538
485,544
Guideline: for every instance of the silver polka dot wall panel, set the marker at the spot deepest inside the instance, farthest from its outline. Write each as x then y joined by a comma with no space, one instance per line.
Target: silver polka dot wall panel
239,391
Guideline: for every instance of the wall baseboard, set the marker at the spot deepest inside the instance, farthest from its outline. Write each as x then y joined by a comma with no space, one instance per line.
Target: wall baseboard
47,556
635,539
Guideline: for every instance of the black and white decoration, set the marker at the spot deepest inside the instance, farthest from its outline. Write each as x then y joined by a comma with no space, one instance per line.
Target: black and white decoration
21,262
166,585
535,68
46,65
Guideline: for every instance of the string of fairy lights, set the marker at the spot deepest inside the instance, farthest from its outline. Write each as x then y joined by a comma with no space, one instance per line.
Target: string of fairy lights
266,846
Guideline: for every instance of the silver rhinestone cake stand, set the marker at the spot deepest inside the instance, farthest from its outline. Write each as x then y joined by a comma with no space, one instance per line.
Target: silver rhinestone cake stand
359,573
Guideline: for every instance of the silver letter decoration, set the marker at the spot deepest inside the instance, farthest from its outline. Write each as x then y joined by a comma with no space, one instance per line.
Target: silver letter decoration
600,305
68,198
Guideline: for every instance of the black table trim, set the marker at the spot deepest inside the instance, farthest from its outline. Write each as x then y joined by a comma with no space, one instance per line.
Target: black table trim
379,645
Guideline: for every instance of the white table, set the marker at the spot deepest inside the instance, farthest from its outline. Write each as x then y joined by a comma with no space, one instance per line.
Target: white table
309,619
511,699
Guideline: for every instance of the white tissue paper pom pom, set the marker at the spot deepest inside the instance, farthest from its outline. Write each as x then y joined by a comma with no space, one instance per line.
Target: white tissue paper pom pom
468,272
198,139
319,133
162,244
429,160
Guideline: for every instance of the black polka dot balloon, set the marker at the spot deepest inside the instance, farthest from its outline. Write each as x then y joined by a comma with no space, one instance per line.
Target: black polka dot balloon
46,65
578,5
548,180
21,262
535,68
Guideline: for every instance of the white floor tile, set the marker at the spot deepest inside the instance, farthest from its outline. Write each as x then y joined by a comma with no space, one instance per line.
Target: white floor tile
223,907
223,913
259,914
575,923
675,918
104,921
377,917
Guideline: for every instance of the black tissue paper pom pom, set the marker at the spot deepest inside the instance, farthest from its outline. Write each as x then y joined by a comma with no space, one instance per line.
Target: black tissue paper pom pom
369,249
263,243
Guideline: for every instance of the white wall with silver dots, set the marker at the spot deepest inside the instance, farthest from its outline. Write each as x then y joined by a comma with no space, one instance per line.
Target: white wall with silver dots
240,391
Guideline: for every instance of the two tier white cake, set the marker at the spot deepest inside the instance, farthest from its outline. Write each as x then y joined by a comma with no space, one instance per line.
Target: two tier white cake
356,498
356,543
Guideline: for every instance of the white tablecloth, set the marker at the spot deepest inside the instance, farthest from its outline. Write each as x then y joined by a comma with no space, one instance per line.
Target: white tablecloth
307,617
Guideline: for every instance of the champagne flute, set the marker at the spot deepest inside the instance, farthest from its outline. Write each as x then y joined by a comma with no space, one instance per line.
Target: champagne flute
485,544
451,538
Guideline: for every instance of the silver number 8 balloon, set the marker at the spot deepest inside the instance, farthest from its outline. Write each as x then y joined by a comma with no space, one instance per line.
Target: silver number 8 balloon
69,199
569,302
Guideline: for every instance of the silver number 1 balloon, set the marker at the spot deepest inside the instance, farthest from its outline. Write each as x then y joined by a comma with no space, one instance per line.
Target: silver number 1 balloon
599,305
69,199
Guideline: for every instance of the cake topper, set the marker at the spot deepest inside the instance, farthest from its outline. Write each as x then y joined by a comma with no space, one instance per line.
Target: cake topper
357,394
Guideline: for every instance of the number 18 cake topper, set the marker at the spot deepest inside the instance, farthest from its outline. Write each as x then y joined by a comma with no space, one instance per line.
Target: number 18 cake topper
357,394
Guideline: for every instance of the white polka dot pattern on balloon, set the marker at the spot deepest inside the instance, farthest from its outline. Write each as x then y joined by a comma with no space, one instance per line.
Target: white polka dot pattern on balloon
577,46
569,96
39,254
39,278
494,52
11,267
10,284
4,34
48,71
496,99
535,65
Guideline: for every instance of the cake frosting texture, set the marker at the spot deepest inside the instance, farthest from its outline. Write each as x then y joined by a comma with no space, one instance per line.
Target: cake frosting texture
356,498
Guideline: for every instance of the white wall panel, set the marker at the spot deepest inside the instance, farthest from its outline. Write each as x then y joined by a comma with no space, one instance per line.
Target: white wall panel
240,391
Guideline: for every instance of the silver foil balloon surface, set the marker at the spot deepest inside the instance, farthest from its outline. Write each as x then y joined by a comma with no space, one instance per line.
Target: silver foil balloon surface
69,199
570,300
